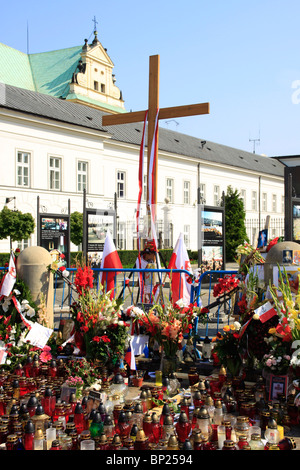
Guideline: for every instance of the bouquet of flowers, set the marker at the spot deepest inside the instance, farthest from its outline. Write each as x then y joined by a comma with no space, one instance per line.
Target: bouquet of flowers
227,348
277,361
168,324
13,326
247,256
80,371
287,305
225,285
98,319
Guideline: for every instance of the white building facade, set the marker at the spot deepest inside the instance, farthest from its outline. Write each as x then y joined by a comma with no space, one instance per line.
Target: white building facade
54,147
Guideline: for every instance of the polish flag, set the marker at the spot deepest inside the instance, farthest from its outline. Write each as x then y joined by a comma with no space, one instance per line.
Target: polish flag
110,260
265,312
130,358
9,279
180,287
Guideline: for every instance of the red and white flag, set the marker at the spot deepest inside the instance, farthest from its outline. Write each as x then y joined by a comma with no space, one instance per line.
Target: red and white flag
180,287
9,279
110,260
265,312
141,182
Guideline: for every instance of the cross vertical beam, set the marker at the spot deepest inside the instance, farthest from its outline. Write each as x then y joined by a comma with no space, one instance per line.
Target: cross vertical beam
153,106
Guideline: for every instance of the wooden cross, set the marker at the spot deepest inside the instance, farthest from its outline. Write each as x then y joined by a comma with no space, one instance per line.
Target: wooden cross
153,106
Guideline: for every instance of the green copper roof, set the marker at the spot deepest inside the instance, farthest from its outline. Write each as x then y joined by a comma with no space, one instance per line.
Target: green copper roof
15,68
49,73
52,71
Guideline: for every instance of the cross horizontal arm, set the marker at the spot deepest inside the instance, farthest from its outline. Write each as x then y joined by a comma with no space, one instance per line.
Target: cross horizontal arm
164,113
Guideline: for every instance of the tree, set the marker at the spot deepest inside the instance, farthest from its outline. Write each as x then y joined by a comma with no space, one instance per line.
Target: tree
235,228
76,228
15,225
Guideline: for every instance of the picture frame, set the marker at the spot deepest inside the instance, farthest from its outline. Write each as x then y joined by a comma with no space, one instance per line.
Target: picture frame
278,386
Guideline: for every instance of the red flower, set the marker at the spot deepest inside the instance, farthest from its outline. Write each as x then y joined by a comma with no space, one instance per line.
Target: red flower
204,310
105,339
225,284
84,279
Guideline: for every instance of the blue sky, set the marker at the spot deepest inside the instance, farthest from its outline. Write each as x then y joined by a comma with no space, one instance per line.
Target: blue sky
241,56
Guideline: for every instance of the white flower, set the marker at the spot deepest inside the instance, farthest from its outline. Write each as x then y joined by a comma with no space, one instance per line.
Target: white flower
237,325
135,311
6,303
181,303
27,310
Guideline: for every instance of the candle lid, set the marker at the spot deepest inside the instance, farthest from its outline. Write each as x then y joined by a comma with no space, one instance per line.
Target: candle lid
39,434
141,436
229,444
173,442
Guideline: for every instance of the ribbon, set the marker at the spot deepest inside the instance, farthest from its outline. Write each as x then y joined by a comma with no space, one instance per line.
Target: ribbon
151,173
141,179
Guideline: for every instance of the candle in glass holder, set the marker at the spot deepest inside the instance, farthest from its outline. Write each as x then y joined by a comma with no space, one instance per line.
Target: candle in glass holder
87,444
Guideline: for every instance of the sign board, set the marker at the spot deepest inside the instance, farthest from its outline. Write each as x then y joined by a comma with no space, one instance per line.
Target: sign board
54,233
213,238
97,223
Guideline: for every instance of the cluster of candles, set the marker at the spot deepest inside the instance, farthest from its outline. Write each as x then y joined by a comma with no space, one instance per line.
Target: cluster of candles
211,414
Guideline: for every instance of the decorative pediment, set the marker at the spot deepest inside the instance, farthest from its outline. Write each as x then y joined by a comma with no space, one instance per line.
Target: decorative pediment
98,54
94,78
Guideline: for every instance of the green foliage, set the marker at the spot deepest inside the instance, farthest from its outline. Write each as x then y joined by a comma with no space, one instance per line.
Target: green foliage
15,224
235,229
76,228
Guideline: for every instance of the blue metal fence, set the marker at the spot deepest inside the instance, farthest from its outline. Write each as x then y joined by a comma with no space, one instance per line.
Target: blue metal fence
127,283
128,287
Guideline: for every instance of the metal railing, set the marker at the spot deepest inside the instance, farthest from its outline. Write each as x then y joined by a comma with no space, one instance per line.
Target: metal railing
129,285
219,309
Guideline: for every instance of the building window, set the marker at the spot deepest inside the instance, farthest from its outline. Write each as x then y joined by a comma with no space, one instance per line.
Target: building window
55,173
121,242
82,176
216,195
23,244
23,169
186,235
121,184
102,88
186,192
243,197
264,202
254,201
170,189
145,188
202,194
274,203
96,85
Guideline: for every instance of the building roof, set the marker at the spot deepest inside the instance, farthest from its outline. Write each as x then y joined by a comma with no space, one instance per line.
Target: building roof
50,73
61,110
53,71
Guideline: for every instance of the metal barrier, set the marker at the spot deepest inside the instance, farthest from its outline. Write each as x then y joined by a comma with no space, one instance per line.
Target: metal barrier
219,310
130,285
